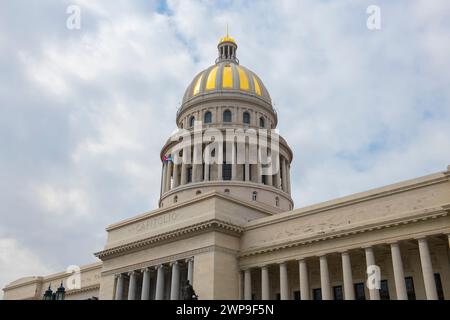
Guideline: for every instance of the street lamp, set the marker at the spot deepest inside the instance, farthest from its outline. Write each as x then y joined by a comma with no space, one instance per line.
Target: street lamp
60,293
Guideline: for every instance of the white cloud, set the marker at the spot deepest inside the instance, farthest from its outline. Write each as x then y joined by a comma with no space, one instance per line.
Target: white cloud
17,261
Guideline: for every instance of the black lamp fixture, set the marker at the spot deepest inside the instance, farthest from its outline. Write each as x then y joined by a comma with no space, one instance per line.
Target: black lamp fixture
60,293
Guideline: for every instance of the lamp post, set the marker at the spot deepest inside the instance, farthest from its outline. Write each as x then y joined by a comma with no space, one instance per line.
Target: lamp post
60,293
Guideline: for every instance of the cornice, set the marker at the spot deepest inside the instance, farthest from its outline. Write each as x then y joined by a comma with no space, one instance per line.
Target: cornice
84,289
209,225
352,200
168,259
422,215
204,196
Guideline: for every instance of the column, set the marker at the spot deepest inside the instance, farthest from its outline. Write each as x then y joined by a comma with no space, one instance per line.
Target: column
269,180
247,285
206,172
258,167
163,182
234,162
349,292
119,287
325,278
176,178
304,283
283,172
288,178
159,283
145,295
278,174
374,294
399,276
247,165
265,286
175,284
183,174
427,270
190,273
169,175
284,290
132,286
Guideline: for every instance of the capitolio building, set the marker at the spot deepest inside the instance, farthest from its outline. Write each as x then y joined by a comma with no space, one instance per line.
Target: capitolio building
226,220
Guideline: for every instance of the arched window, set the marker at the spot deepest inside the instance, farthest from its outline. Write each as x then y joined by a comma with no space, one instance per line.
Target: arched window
191,121
208,117
254,194
277,201
181,125
262,123
175,199
246,118
227,116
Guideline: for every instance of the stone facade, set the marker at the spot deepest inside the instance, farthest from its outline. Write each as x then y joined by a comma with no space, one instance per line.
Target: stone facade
233,234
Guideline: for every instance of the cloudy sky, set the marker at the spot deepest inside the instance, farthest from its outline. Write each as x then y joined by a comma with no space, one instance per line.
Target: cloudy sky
84,112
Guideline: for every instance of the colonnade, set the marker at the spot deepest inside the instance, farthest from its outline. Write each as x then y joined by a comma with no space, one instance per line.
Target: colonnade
175,175
348,285
151,289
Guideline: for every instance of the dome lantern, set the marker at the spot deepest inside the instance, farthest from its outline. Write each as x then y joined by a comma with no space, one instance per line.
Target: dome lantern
227,49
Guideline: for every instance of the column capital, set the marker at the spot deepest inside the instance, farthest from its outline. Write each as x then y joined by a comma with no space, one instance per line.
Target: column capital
131,273
173,263
189,259
421,238
119,275
393,243
146,269
160,266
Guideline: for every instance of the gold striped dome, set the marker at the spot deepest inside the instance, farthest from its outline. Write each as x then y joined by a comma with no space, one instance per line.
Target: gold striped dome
226,77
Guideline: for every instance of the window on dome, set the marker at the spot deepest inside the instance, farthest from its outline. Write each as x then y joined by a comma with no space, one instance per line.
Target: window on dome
254,195
246,118
262,123
208,117
277,201
191,121
227,116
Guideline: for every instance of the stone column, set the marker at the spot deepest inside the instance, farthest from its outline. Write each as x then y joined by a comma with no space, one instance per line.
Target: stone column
269,180
399,276
176,178
206,172
325,278
145,295
175,283
163,182
247,164
284,174
183,174
247,285
288,177
119,287
349,292
234,162
304,283
258,166
159,283
278,174
190,273
374,294
427,270
132,286
169,175
284,290
265,285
